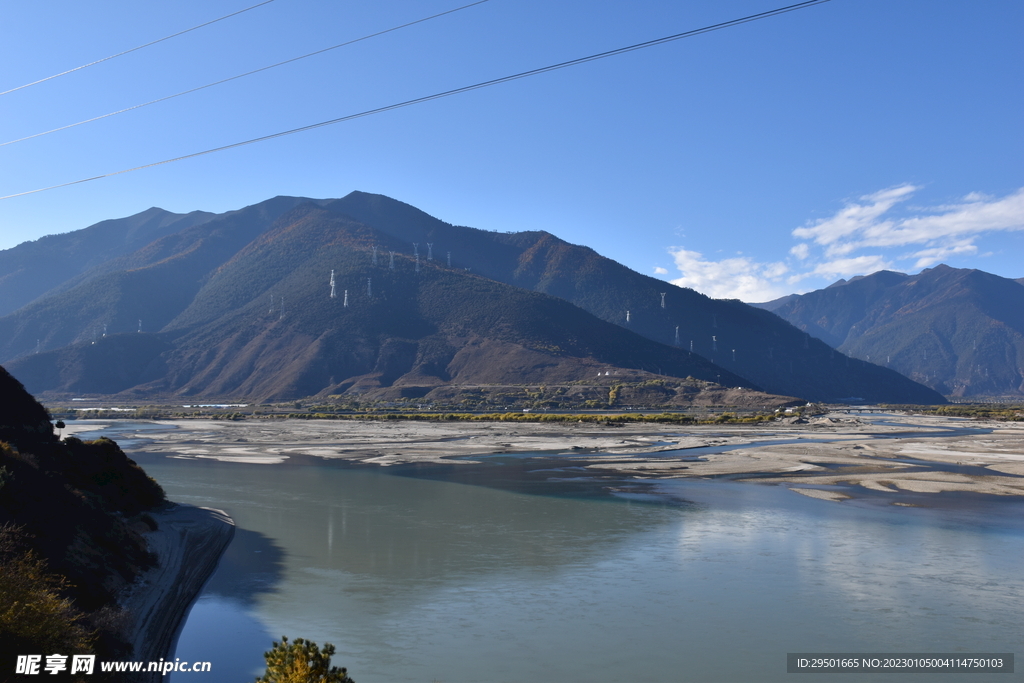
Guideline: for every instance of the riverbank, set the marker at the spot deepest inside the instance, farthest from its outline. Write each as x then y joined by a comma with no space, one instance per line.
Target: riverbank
188,542
882,453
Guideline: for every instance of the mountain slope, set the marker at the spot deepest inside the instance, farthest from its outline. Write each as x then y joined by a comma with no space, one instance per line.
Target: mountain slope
747,341
958,331
32,269
69,534
263,325
201,289
144,289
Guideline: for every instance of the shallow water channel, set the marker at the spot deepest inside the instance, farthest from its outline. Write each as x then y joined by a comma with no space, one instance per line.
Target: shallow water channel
521,569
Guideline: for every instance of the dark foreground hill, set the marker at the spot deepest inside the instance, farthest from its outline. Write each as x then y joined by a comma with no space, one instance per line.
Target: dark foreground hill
70,516
958,331
239,304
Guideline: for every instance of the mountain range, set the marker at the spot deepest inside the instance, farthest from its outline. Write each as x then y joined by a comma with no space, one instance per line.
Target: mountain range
958,331
239,304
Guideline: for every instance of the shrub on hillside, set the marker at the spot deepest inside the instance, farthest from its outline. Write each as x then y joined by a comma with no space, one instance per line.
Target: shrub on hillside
34,615
302,662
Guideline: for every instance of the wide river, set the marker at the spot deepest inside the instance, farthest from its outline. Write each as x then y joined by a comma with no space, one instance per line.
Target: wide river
509,571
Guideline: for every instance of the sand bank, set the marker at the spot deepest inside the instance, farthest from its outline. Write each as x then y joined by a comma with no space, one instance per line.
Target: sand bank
879,453
188,542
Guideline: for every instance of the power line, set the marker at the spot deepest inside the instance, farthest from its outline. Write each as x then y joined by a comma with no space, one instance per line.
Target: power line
447,93
248,73
120,54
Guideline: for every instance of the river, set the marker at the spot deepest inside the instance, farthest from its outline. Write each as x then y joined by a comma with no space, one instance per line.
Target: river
521,569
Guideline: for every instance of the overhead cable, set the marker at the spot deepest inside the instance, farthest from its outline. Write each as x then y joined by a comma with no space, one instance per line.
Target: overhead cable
447,93
120,54
248,73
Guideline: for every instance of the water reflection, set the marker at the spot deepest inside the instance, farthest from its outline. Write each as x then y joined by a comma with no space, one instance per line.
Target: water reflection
910,580
356,551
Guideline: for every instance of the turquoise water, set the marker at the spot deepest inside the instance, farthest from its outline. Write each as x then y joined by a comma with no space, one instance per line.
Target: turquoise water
504,572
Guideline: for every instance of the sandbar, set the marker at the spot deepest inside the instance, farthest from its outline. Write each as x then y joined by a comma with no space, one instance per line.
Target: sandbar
882,453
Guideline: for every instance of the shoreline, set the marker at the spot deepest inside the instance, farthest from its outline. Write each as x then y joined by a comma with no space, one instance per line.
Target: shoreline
188,542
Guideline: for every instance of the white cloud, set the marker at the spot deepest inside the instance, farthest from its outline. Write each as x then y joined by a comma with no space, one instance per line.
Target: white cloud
658,270
945,230
854,219
848,267
733,278
835,247
929,257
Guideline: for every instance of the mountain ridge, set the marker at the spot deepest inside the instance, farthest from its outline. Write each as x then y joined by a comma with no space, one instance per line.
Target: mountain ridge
31,269
420,327
959,331
194,284
768,352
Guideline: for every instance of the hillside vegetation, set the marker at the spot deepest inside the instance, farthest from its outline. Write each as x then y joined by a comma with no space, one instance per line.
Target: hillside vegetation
745,340
71,513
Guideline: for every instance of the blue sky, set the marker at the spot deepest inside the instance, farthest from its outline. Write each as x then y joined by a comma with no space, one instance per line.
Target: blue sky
752,162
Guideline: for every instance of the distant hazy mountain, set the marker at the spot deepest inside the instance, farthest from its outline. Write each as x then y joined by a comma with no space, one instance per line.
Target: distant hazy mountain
958,331
238,304
32,269
151,283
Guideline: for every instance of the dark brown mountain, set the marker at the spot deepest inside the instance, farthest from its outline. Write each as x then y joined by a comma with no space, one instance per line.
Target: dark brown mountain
263,325
958,331
206,292
743,339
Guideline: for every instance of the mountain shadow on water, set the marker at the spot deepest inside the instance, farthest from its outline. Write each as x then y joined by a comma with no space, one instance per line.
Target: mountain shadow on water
252,565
